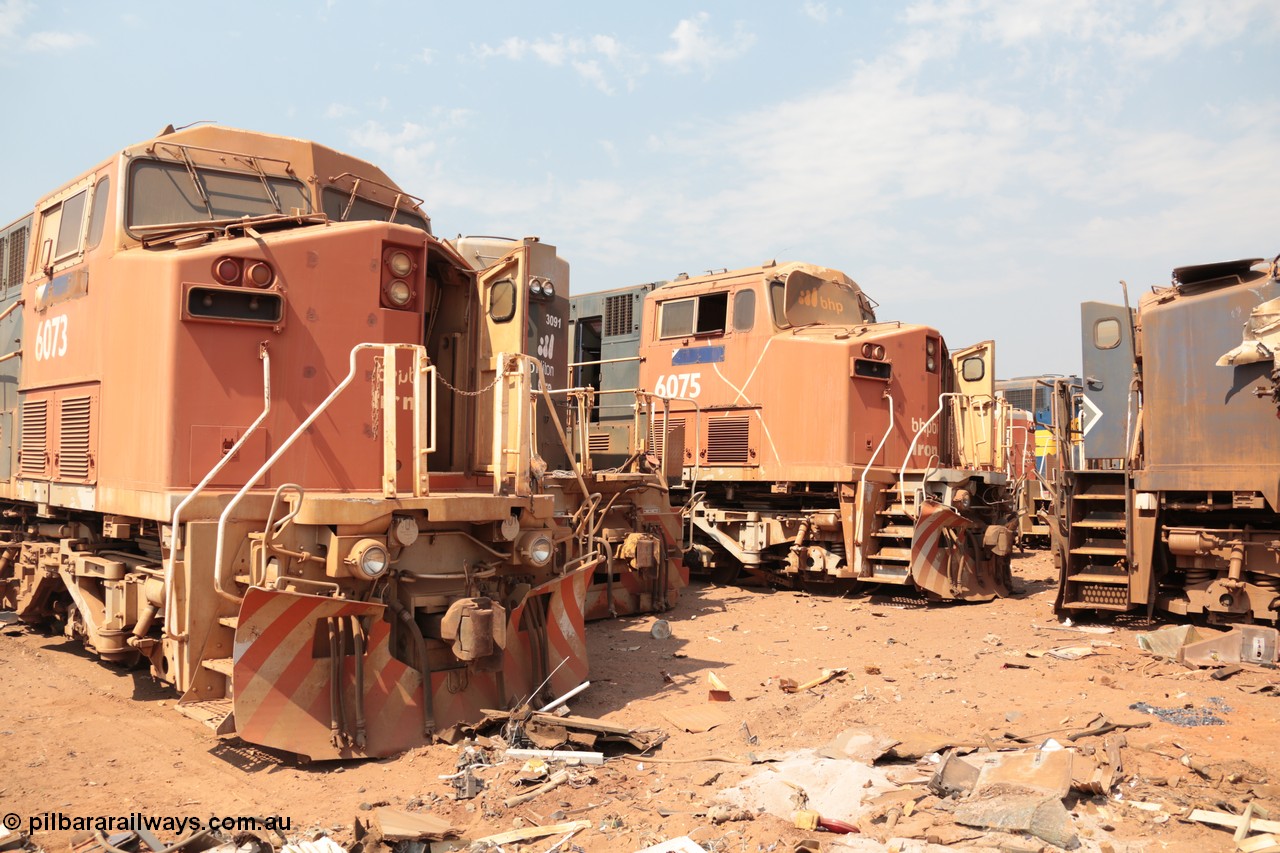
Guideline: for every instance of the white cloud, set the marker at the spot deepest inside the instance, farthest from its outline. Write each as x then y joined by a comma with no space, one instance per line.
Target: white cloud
12,14
513,48
553,51
426,56
694,47
55,42
611,150
590,71
403,151
1166,30
593,59
335,110
608,47
411,151
817,11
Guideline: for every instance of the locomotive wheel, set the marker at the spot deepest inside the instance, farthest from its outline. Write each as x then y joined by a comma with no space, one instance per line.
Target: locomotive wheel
726,570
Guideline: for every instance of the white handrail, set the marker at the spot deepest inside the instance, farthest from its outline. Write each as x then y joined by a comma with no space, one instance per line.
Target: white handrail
906,460
862,481
175,532
388,350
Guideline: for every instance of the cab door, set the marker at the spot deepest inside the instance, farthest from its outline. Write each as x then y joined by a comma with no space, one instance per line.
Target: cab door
502,299
1107,410
524,299
974,411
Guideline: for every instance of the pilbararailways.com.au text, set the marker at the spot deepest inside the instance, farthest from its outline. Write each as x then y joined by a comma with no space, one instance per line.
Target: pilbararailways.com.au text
134,821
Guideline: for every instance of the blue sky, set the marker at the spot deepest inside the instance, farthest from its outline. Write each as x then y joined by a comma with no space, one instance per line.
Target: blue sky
978,166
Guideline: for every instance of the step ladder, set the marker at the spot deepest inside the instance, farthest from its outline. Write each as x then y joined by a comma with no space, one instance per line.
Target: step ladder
209,699
888,548
1097,573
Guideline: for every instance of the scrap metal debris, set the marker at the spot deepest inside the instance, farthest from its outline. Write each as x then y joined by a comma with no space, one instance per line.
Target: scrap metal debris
526,728
1188,716
789,685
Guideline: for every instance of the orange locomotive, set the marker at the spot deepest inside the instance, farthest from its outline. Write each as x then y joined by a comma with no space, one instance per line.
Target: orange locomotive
819,447
265,432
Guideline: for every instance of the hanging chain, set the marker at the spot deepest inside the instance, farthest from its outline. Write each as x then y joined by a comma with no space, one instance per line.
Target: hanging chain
445,382
376,382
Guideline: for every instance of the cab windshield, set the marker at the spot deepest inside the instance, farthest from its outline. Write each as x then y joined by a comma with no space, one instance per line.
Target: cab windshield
803,299
346,206
165,193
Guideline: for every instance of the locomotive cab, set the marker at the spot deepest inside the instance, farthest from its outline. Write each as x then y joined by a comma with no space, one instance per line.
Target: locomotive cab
812,442
275,440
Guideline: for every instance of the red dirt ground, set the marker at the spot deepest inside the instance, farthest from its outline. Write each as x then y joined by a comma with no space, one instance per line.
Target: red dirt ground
84,738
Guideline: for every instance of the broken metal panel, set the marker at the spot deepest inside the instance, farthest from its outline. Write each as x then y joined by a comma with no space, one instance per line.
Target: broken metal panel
1206,426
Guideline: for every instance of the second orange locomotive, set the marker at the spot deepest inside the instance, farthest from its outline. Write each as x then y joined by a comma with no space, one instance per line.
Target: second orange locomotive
816,446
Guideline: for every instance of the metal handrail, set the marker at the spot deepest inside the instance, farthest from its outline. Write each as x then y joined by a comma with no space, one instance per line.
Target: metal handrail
902,472
862,481
175,531
389,376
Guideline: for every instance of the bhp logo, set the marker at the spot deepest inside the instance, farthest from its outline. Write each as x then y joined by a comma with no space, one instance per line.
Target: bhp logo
811,298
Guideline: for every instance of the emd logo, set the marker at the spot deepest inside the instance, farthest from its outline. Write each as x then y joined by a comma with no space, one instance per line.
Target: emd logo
813,299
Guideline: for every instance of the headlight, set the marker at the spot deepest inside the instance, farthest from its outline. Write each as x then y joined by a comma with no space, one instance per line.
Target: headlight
536,549
548,289
399,293
400,264
535,287
368,559
260,274
227,271
930,363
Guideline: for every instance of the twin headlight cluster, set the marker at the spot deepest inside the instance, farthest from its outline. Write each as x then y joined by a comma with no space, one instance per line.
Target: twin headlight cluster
397,289
539,286
369,558
243,272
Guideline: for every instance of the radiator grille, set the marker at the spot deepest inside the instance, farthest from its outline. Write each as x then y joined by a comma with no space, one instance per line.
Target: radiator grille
658,441
35,437
598,442
728,441
1019,398
17,257
617,315
73,439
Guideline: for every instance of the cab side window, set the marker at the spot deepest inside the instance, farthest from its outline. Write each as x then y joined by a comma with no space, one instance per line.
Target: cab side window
98,217
68,227
744,310
696,315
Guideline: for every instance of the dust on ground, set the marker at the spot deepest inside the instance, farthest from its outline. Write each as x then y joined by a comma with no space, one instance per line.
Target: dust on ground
83,738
